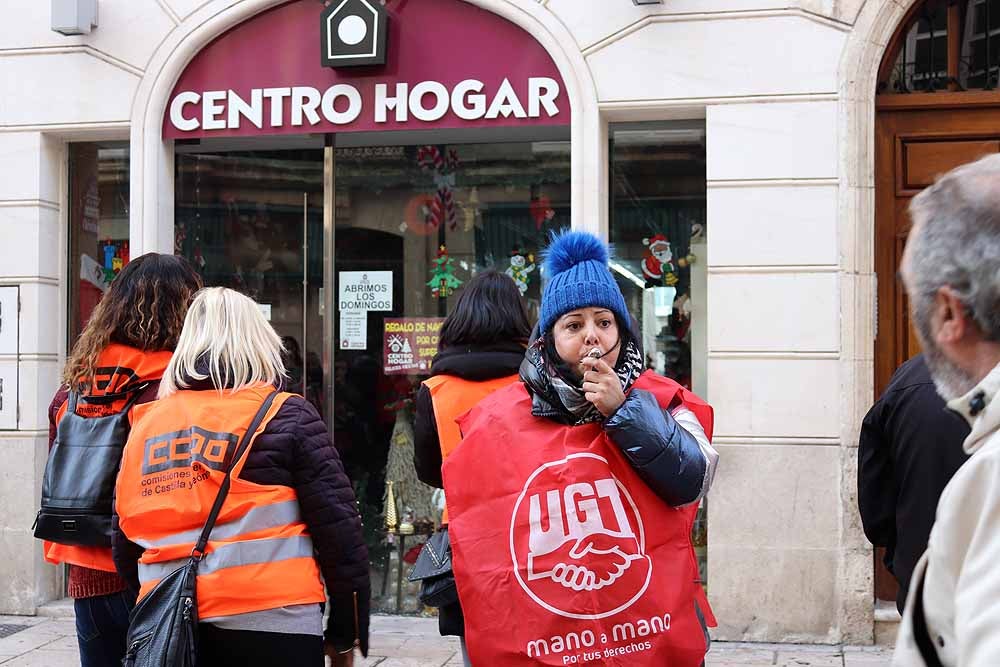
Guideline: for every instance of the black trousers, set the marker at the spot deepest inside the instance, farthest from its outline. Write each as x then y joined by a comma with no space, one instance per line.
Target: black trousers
250,648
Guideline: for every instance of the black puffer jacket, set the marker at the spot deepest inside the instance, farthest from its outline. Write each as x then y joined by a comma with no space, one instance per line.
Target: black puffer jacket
475,364
676,463
295,450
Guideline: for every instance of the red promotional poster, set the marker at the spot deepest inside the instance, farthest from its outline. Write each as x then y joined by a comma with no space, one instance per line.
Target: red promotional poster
410,344
562,554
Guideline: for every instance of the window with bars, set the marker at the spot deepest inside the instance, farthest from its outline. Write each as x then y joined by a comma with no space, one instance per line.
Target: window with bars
945,45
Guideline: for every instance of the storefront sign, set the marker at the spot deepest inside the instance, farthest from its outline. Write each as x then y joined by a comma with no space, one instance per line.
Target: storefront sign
353,33
410,344
440,71
365,290
354,330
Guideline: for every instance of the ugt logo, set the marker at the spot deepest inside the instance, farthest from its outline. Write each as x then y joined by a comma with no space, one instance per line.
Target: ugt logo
576,530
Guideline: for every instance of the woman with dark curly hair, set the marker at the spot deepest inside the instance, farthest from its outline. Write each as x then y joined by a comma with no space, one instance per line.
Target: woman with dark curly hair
125,345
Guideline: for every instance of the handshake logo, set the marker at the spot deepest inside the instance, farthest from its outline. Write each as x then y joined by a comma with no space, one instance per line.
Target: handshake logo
577,540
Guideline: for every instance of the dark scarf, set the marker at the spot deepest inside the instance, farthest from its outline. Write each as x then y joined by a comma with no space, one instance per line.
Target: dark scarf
557,393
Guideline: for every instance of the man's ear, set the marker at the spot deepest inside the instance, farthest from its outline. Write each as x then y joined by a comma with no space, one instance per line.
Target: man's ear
952,320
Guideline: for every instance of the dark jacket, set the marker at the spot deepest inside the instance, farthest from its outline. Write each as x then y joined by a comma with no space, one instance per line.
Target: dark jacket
910,447
295,450
667,457
475,364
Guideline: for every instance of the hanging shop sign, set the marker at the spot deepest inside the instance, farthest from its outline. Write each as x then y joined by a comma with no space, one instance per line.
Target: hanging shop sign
440,71
362,291
410,344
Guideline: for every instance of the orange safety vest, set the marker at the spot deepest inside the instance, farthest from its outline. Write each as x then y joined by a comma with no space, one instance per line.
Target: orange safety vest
260,554
119,369
452,397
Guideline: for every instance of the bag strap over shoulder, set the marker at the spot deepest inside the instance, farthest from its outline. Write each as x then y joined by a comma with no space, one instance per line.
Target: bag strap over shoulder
130,396
199,548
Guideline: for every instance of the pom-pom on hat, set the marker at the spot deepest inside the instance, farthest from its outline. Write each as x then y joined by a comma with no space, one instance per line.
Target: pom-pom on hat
576,265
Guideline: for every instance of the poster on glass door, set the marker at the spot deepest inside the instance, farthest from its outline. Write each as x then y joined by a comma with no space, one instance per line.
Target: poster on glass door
410,344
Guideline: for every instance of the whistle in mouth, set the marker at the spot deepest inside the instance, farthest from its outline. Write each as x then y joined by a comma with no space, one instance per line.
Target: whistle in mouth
595,353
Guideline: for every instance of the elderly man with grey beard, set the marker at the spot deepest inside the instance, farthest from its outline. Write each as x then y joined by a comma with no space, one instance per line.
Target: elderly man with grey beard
951,270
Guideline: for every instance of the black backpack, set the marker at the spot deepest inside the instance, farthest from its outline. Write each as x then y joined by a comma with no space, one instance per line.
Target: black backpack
79,483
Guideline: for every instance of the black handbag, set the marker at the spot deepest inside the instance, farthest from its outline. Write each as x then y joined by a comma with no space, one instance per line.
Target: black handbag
433,571
79,481
163,626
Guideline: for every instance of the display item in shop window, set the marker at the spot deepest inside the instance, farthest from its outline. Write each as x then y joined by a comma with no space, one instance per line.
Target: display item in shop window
471,209
115,257
442,165
697,232
417,216
443,282
521,266
414,496
390,507
658,263
541,211
406,525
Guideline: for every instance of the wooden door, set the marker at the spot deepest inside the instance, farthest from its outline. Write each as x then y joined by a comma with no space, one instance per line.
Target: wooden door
914,143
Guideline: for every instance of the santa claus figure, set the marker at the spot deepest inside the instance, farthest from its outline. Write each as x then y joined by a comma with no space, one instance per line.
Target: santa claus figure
658,265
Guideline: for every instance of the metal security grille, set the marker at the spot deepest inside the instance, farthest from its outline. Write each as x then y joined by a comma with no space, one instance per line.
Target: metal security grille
6,630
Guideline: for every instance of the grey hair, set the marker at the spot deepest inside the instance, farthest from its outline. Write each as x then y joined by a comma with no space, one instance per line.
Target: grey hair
958,243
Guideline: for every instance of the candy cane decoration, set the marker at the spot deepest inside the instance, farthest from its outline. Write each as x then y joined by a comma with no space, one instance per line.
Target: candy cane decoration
443,166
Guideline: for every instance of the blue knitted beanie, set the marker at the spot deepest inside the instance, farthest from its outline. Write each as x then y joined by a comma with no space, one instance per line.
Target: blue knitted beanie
576,266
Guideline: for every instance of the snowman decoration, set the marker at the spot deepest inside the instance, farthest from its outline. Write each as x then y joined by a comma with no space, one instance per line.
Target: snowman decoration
658,264
520,267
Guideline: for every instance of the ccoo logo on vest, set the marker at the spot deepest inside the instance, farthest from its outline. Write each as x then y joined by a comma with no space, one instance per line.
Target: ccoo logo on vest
569,540
354,33
182,449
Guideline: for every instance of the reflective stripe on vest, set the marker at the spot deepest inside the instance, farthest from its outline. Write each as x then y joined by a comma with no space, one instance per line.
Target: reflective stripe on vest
118,368
258,518
259,555
235,555
452,397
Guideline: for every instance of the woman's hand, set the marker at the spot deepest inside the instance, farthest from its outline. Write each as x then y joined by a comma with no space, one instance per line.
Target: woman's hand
601,386
338,659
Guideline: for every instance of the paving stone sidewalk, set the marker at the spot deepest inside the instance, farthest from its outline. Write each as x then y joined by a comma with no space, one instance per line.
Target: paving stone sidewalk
50,641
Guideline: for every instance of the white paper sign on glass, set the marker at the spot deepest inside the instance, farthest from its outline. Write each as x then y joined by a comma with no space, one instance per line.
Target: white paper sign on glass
354,330
364,290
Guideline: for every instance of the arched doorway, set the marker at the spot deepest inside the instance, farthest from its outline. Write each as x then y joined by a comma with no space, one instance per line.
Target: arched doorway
937,106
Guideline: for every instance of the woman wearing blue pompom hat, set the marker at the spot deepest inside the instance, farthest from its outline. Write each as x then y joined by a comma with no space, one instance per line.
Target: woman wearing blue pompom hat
573,492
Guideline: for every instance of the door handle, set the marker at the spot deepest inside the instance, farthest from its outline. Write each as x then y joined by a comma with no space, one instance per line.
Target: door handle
1,394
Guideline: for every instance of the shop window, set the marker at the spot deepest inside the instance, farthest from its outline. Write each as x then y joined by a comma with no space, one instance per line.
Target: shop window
659,234
414,224
98,237
253,221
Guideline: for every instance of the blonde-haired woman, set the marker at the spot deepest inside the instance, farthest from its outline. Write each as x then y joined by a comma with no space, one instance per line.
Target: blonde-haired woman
290,515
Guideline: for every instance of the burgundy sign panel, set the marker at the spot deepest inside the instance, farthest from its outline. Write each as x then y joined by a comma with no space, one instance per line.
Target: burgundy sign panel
449,64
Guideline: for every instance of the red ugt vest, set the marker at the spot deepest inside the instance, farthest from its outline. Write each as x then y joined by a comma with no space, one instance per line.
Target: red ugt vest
118,368
259,555
562,554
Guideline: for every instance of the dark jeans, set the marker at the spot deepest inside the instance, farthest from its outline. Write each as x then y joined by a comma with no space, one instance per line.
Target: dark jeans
250,648
101,625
